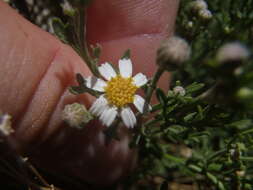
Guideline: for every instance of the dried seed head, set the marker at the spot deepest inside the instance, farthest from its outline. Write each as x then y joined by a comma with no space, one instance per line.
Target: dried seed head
179,90
199,5
232,52
172,53
5,124
76,115
205,14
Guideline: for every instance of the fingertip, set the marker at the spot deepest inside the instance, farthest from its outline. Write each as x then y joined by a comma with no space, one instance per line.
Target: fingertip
115,19
139,25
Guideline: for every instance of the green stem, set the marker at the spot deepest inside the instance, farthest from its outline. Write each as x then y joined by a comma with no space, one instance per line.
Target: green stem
216,154
246,158
151,88
151,122
80,25
148,96
156,107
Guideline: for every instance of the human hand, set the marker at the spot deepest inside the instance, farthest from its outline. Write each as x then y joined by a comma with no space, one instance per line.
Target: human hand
37,69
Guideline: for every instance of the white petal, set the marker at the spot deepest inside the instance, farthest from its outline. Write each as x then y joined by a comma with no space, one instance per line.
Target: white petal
140,79
128,117
95,83
107,71
108,116
139,103
99,106
125,68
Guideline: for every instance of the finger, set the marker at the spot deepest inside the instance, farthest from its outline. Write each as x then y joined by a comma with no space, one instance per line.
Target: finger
36,70
85,153
31,70
139,25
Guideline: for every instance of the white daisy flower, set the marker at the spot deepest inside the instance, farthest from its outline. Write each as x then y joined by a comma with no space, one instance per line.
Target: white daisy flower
118,91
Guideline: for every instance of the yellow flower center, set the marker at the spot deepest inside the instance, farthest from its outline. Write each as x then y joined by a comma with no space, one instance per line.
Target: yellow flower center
120,91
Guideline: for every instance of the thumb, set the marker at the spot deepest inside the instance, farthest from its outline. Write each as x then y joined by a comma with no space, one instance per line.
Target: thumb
36,70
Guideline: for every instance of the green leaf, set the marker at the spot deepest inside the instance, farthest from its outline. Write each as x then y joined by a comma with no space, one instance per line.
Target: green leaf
248,159
221,186
80,79
194,87
195,168
60,29
175,159
176,129
199,134
215,167
212,178
189,117
161,96
77,90
242,124
126,54
96,51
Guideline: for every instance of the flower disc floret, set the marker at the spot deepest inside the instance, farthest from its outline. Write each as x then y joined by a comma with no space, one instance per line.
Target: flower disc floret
120,91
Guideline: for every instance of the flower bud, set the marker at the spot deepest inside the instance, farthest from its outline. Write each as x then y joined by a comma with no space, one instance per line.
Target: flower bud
172,53
76,115
245,93
179,90
240,173
67,8
189,25
238,71
232,152
232,52
205,14
199,5
5,124
185,151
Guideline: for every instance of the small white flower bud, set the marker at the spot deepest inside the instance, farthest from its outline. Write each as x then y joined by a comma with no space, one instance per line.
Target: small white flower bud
25,159
189,24
45,12
232,152
205,14
185,151
30,2
173,52
67,8
179,90
238,71
5,124
76,115
199,5
240,173
231,52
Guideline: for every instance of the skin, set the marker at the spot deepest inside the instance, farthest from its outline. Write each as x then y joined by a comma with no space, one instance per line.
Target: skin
36,70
